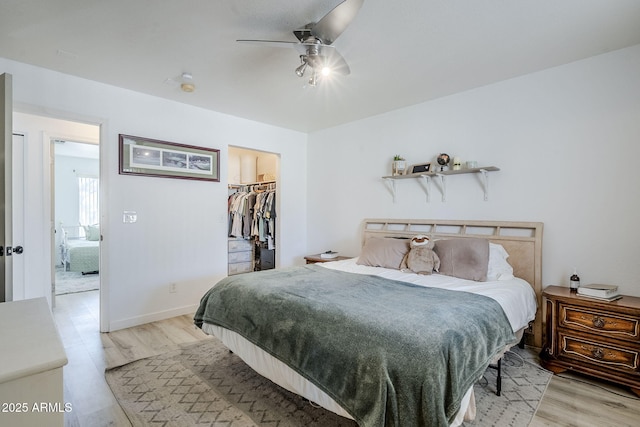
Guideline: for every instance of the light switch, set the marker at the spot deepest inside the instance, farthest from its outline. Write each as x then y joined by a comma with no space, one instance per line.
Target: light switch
129,217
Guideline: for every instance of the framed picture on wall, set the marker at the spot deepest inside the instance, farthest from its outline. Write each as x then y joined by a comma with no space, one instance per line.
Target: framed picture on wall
151,157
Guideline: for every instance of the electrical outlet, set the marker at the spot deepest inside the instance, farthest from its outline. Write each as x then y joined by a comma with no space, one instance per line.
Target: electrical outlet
172,288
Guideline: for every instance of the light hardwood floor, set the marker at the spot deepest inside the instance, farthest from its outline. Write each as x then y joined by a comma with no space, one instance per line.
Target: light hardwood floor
90,353
569,400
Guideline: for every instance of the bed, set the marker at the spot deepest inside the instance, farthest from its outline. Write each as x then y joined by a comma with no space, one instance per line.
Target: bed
80,248
359,340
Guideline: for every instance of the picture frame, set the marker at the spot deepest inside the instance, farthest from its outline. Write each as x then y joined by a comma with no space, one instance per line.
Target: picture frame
152,157
421,167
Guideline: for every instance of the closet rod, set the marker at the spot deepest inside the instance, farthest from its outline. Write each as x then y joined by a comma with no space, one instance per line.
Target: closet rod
267,185
251,183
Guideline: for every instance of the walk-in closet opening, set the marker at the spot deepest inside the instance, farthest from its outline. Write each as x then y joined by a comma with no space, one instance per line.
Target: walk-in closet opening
253,210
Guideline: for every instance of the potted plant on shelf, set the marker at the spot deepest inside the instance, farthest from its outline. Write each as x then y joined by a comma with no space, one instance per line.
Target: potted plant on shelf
399,165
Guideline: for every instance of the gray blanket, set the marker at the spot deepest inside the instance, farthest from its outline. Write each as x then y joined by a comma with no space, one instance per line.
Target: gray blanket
390,353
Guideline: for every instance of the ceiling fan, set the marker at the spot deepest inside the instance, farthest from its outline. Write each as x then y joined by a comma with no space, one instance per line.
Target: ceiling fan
184,80
315,42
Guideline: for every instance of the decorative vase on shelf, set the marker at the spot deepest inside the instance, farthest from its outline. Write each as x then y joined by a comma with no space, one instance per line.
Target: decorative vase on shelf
457,164
398,166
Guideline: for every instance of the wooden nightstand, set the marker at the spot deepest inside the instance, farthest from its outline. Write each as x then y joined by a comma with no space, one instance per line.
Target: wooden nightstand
593,337
312,259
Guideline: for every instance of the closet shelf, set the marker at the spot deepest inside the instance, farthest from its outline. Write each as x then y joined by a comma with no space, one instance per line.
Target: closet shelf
440,178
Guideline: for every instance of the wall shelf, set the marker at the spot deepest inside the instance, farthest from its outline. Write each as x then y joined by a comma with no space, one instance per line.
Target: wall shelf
440,179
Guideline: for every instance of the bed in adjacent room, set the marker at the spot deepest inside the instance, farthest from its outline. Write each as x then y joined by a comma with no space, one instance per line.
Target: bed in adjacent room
383,346
80,248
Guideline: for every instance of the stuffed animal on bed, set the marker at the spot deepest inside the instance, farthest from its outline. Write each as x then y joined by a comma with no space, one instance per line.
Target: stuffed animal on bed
421,258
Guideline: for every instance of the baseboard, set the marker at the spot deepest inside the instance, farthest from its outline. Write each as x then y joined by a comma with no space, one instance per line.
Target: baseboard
152,317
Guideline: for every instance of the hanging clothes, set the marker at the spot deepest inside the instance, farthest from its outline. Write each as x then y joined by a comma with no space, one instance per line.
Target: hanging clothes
252,213
264,216
241,214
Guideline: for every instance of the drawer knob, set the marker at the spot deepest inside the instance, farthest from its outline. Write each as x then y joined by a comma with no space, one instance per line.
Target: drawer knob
597,353
598,322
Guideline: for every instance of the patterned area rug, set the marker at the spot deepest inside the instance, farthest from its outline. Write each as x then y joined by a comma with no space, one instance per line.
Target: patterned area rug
524,382
206,385
68,282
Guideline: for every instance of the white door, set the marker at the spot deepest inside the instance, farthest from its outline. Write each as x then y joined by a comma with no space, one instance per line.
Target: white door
6,119
18,218
12,189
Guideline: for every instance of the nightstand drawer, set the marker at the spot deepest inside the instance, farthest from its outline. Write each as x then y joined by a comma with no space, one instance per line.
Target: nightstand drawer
607,324
601,354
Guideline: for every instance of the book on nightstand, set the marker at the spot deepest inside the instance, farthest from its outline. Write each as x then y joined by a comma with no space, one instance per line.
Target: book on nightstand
607,292
329,255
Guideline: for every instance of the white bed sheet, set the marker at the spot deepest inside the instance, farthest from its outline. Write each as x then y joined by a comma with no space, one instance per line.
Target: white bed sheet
515,296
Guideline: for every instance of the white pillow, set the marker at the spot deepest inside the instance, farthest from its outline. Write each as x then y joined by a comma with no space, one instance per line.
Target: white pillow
499,268
92,232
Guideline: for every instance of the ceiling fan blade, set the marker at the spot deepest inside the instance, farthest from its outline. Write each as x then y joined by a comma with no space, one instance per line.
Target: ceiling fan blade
336,21
270,43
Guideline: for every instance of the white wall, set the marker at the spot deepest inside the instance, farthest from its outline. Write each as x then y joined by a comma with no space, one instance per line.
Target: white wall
567,141
246,166
180,236
67,171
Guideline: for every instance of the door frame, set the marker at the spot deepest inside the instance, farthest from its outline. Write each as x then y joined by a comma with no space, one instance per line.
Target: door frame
49,201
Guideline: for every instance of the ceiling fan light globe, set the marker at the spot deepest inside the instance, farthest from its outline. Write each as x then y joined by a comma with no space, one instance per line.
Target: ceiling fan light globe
326,71
301,69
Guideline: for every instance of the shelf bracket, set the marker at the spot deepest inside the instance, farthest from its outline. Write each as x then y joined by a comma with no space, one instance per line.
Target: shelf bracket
426,185
443,186
391,185
440,178
484,178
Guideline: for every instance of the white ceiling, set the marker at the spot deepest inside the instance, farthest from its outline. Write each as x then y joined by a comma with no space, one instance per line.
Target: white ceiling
400,52
77,149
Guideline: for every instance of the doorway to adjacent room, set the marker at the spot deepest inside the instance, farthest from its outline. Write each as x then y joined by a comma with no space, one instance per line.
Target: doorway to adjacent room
76,186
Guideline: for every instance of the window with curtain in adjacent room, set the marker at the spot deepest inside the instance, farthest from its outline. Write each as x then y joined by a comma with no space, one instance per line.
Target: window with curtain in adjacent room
88,192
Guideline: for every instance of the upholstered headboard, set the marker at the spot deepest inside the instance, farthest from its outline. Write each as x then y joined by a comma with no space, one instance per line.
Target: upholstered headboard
522,240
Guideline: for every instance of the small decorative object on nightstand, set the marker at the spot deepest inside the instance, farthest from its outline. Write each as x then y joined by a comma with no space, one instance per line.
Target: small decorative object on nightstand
574,281
593,337
328,256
